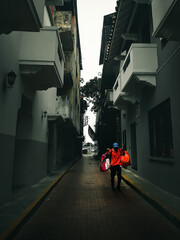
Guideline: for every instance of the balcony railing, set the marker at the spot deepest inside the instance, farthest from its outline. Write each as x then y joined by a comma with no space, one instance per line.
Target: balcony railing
121,99
63,21
108,97
117,88
21,15
41,59
138,69
165,19
139,66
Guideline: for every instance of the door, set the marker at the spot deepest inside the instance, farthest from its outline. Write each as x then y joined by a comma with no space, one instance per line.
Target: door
52,146
21,164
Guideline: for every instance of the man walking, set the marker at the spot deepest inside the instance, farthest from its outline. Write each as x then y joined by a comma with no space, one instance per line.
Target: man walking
115,156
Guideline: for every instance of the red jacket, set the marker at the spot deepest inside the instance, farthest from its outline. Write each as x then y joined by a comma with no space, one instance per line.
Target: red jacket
115,156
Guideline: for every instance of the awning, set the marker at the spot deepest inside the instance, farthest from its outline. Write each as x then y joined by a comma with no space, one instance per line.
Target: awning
114,45
124,14
107,25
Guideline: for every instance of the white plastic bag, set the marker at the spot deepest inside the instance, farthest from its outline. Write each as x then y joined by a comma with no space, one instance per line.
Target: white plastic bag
107,163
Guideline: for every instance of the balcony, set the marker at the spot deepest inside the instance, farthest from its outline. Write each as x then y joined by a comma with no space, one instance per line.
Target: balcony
121,99
63,21
63,111
83,105
108,98
117,89
69,73
54,2
69,68
41,59
21,15
139,68
63,107
165,19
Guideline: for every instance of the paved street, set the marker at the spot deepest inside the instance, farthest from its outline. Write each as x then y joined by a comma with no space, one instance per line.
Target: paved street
83,207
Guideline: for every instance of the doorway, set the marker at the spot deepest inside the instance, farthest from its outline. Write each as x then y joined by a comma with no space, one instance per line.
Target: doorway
21,154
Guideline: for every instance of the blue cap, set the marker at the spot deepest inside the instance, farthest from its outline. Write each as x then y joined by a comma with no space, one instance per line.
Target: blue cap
115,145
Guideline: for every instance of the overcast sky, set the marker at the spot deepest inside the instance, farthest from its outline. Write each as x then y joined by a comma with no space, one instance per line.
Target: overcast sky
90,18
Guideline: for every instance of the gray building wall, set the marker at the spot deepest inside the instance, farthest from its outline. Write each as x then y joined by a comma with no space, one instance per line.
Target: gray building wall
9,105
162,172
32,145
23,131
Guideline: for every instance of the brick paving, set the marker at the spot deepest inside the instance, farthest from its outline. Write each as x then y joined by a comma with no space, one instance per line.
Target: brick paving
83,207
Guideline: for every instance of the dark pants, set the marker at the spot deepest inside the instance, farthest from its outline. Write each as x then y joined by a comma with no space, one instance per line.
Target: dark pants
115,169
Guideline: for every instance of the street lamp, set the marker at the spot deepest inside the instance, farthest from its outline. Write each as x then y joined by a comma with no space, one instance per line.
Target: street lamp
124,115
11,77
44,114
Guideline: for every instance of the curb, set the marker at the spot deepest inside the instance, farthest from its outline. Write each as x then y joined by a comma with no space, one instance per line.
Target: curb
160,206
15,227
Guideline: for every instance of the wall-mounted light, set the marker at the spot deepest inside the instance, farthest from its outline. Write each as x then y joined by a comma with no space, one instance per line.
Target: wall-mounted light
44,114
124,115
10,79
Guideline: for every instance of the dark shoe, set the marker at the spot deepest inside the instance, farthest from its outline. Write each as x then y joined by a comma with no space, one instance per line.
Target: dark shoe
118,189
113,188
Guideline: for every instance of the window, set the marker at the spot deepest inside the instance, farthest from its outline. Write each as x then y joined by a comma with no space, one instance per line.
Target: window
160,131
116,86
126,64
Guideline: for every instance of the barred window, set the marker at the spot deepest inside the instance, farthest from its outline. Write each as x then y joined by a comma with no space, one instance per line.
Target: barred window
160,131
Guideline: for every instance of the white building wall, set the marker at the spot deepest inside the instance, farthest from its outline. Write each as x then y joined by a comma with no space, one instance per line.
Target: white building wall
23,142
26,137
47,21
9,103
10,98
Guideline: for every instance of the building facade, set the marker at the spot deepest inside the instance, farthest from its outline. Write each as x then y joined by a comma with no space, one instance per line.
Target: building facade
40,123
141,67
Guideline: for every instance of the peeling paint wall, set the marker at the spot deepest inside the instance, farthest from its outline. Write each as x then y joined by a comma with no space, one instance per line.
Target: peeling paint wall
63,20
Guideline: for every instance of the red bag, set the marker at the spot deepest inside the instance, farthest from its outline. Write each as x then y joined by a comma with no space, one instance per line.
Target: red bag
105,163
125,160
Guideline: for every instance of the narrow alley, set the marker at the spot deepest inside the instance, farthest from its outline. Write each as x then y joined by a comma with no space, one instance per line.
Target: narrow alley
83,206
78,76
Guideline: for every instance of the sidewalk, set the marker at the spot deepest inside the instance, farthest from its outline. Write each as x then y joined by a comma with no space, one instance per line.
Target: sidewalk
15,213
163,201
24,203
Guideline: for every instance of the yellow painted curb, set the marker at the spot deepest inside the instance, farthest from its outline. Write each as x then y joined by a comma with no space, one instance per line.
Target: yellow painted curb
153,198
15,224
